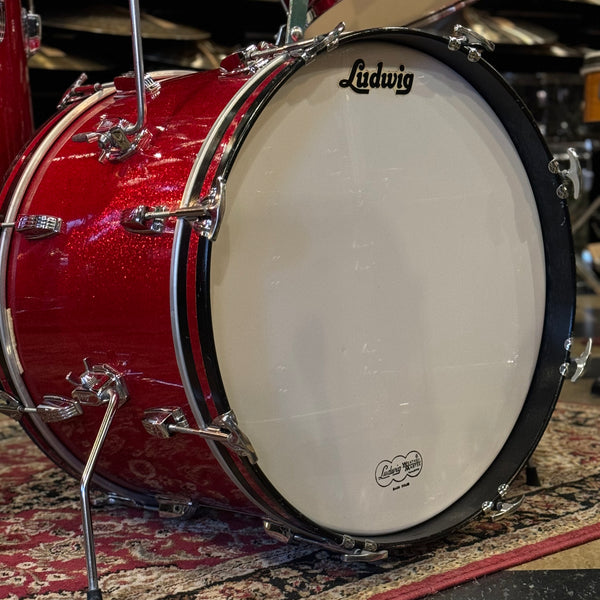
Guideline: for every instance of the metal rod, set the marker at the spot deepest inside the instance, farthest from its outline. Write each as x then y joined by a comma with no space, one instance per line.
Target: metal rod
138,68
93,592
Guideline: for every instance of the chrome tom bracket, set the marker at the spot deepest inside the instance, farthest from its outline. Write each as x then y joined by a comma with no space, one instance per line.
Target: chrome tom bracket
496,510
205,216
348,548
575,368
114,141
572,178
167,421
472,42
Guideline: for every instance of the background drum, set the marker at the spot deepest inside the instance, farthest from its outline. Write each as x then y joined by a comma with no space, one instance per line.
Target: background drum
16,119
324,15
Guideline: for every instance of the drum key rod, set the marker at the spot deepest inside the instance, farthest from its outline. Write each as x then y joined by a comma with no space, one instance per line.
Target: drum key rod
93,591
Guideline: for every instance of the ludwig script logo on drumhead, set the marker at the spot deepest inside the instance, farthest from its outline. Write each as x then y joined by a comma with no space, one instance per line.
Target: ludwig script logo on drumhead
362,80
399,468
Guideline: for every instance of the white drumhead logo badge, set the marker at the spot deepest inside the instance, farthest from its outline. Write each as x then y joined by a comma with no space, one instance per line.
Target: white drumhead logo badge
399,468
362,81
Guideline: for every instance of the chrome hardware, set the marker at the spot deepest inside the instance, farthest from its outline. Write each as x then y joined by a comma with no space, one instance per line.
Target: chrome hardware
97,384
254,57
572,177
52,410
100,385
577,365
123,139
112,500
471,41
166,422
113,140
112,400
78,92
499,509
176,509
126,83
138,221
205,217
13,408
369,552
35,227
32,32
56,408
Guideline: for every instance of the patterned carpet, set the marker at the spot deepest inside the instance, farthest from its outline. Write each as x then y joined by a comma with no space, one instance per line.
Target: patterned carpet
228,557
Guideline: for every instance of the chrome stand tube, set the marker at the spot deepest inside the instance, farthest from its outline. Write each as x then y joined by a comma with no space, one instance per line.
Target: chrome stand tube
138,67
94,592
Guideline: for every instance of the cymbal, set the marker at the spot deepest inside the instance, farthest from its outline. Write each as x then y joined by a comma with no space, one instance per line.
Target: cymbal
116,20
48,58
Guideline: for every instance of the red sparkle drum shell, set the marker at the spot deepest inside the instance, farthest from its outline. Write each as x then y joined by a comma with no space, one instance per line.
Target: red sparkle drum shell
384,308
16,117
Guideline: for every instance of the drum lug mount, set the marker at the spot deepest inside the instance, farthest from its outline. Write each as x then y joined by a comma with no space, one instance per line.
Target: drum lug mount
166,422
572,178
348,547
205,217
496,510
36,227
52,410
78,91
575,368
471,41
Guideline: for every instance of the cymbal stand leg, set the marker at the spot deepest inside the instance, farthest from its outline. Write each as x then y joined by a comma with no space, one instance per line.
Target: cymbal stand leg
93,591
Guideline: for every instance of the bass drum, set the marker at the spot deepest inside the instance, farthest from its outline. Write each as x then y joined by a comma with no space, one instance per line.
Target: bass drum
16,116
356,266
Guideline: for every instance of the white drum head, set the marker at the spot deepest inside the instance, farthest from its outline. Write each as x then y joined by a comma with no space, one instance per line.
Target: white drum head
377,289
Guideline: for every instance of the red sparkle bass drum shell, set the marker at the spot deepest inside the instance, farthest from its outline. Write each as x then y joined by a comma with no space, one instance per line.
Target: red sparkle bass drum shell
383,307
16,120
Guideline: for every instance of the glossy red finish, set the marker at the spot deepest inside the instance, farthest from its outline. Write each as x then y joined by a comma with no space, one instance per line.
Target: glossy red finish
16,120
98,292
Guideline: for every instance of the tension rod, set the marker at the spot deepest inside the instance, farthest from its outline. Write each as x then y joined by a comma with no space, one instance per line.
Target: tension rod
93,591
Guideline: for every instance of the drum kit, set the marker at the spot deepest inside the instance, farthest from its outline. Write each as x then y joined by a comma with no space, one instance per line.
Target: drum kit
329,283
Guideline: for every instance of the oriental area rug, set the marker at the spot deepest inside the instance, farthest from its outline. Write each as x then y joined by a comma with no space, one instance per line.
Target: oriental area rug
225,556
